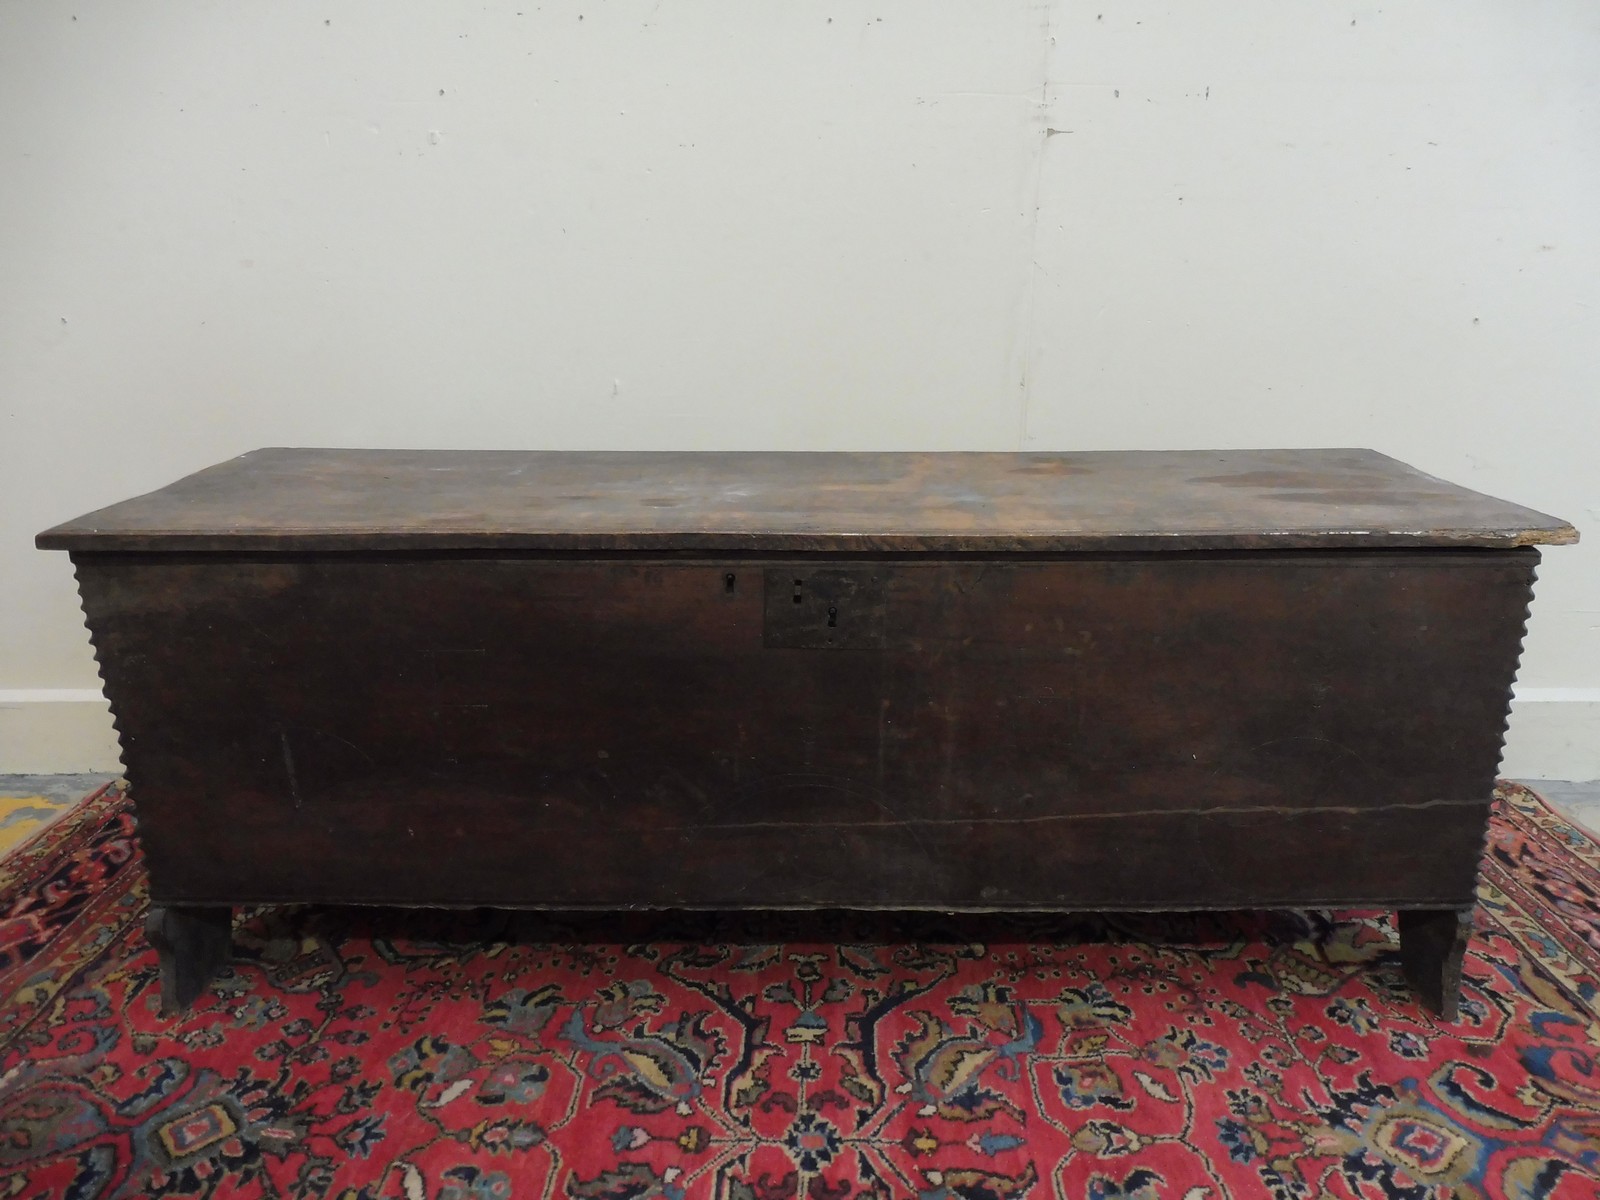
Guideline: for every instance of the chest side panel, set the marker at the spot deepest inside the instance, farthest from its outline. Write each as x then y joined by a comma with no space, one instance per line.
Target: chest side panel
1114,731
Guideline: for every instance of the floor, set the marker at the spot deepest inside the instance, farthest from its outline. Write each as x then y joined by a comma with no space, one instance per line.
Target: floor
1580,801
30,802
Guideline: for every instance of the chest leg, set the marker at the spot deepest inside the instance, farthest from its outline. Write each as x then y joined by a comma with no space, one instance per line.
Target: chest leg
1433,943
191,942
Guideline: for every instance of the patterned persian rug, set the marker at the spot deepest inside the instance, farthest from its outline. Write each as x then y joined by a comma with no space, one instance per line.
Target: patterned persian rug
359,1054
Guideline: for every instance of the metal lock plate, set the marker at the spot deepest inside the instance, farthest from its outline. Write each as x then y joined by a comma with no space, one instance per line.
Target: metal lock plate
825,608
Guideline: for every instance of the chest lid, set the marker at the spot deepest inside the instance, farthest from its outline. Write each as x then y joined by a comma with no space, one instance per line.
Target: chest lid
834,502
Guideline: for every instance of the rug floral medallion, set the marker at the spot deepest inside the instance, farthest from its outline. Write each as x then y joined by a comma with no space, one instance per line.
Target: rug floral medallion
361,1054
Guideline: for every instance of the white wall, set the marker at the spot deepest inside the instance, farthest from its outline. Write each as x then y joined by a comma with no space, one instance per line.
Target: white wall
909,224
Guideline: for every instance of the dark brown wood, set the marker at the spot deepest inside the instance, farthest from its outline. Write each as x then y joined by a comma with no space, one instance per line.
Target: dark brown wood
1104,732
192,942
1049,682
1433,947
283,499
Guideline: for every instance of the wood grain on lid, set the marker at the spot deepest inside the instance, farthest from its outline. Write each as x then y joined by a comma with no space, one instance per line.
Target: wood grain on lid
967,502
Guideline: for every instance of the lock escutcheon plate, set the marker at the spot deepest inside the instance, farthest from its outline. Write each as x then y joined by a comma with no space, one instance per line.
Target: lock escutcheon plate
824,608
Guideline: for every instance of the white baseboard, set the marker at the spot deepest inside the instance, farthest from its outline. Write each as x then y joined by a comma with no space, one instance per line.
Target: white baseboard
54,731
1555,733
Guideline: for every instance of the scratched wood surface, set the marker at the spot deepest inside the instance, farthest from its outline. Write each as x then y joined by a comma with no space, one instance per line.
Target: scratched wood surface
1204,730
288,499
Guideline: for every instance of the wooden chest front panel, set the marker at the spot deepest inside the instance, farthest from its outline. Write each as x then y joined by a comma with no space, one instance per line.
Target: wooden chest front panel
1081,732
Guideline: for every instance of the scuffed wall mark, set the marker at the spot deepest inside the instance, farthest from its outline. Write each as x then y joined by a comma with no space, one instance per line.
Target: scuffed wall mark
1029,94
1023,336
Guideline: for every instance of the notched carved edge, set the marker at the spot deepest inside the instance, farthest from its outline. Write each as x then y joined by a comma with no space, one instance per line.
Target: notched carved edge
100,671
1495,739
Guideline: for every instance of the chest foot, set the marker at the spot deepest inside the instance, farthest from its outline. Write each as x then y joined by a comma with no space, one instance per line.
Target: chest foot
191,942
1433,944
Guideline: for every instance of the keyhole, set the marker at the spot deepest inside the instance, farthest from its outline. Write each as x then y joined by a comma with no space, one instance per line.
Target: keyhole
797,586
833,617
727,583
